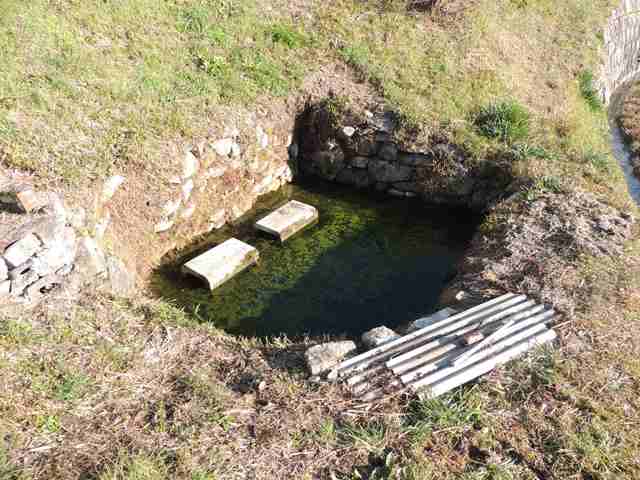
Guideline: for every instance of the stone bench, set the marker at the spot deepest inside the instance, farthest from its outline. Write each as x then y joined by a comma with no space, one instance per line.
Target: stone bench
288,220
222,263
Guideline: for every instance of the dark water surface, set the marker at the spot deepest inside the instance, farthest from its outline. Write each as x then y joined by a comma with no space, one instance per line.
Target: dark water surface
369,261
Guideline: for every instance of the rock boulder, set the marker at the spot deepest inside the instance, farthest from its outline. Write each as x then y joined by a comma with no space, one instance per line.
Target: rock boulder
323,357
378,336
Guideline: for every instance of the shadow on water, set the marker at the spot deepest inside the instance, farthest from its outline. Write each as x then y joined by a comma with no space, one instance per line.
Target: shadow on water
369,261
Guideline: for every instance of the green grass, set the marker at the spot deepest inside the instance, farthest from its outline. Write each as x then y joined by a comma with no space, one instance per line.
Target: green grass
110,80
137,468
453,413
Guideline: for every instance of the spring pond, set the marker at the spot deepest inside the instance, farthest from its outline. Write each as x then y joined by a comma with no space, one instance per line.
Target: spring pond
370,260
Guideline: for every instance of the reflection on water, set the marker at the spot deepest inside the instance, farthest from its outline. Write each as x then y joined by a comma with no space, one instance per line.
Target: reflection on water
370,261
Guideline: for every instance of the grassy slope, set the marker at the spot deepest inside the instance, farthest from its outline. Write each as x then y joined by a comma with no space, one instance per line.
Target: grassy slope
142,391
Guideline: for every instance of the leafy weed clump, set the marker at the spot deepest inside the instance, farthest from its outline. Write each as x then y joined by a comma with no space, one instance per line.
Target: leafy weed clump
507,121
589,91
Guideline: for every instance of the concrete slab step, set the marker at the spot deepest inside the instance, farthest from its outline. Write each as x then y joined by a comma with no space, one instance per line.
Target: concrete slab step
288,220
222,263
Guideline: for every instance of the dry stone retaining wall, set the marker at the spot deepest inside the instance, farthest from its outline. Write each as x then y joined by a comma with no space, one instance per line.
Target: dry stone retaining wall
621,62
372,151
237,168
45,245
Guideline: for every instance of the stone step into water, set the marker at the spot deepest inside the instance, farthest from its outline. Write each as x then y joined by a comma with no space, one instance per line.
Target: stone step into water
222,262
288,220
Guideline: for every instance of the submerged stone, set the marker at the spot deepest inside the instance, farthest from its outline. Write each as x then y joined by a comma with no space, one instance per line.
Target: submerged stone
222,262
288,220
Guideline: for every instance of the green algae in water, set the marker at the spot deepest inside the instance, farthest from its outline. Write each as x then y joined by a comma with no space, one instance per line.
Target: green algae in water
369,261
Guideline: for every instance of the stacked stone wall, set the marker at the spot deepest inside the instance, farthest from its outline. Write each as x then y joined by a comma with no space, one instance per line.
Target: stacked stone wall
621,62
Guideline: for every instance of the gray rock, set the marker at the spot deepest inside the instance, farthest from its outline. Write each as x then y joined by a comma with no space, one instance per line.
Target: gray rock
223,147
22,281
329,162
55,207
366,147
396,193
20,270
215,172
78,218
360,162
604,224
29,200
349,131
64,271
189,210
190,165
294,149
217,220
5,288
111,187
321,358
90,260
39,288
381,171
388,152
415,160
378,336
431,319
236,151
163,225
22,250
407,187
49,229
171,207
102,225
57,255
187,189
383,137
354,176
121,282
4,270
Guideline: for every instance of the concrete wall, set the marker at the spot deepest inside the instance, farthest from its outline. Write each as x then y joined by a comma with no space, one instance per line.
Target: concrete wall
621,61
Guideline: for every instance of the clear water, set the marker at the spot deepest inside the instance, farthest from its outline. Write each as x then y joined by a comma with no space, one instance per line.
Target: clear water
369,261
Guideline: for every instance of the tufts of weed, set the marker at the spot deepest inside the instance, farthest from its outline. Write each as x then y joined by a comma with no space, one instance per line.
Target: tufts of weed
600,161
525,151
287,36
456,411
507,121
589,91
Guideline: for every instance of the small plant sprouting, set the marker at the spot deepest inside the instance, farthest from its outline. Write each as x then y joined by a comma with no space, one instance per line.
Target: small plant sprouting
600,161
507,121
287,36
523,151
